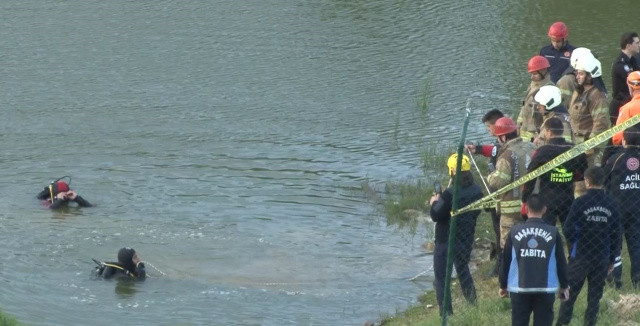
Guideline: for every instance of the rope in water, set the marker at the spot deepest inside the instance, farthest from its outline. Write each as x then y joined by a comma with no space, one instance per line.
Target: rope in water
159,271
421,273
286,284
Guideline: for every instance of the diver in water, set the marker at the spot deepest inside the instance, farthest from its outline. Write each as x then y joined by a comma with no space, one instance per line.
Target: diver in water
128,266
58,194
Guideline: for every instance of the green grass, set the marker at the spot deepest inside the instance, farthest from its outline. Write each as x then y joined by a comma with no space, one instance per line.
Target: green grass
491,310
6,320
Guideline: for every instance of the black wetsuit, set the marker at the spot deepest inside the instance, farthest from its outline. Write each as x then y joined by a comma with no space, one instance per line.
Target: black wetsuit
118,271
57,203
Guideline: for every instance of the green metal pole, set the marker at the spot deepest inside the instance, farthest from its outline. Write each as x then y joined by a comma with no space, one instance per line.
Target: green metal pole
452,226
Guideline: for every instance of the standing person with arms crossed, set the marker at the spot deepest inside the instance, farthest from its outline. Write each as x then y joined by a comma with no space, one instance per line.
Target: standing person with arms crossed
592,231
534,268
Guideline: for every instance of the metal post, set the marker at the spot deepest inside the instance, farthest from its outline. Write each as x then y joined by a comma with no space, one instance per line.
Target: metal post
452,227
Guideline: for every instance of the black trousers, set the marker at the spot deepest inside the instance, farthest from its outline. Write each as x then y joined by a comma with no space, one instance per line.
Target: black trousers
541,304
595,272
461,258
561,211
631,231
495,219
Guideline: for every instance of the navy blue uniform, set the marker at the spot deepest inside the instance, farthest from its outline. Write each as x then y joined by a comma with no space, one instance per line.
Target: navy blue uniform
559,60
556,186
533,270
465,230
593,232
620,69
623,184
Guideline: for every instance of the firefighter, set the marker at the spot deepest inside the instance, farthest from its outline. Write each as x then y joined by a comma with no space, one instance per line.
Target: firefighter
623,183
513,159
548,101
529,120
491,151
559,51
589,111
567,84
631,108
555,186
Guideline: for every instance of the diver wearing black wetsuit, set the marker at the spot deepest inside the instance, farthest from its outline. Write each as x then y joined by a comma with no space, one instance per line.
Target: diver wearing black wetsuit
128,266
58,194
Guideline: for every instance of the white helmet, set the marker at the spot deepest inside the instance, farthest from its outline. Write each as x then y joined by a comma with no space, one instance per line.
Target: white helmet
548,96
598,72
583,59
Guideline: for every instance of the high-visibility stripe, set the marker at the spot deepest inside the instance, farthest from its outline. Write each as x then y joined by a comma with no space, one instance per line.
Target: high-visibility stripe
529,290
501,175
509,210
511,203
526,135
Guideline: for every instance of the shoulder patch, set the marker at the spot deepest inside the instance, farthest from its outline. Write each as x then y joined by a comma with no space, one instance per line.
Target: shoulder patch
627,68
494,151
633,164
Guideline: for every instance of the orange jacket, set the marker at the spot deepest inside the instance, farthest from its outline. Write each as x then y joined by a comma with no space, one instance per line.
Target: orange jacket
626,112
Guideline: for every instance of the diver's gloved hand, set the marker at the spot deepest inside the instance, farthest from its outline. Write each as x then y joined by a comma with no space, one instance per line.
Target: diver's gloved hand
72,195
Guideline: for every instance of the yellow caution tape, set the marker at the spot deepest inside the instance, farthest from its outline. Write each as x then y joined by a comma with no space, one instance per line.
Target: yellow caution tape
562,158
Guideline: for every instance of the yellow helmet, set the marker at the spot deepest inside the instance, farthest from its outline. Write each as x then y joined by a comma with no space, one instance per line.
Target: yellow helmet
453,161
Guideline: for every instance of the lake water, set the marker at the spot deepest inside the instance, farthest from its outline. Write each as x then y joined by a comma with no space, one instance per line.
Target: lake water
226,142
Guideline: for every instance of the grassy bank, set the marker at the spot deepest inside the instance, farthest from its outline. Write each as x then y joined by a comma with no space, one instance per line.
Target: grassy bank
491,309
6,320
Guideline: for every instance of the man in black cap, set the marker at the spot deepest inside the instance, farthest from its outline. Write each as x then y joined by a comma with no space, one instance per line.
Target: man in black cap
128,266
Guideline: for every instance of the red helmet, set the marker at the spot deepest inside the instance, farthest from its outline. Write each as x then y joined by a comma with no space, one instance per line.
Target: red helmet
558,30
504,125
63,186
538,63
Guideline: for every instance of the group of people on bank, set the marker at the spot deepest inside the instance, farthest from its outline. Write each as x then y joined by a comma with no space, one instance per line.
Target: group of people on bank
594,197
59,195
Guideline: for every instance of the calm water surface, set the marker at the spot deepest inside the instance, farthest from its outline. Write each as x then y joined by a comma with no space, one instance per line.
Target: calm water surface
226,141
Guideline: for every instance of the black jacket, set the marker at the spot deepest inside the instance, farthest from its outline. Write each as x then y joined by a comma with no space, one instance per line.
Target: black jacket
592,228
622,180
441,214
533,259
620,68
559,60
117,270
556,186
